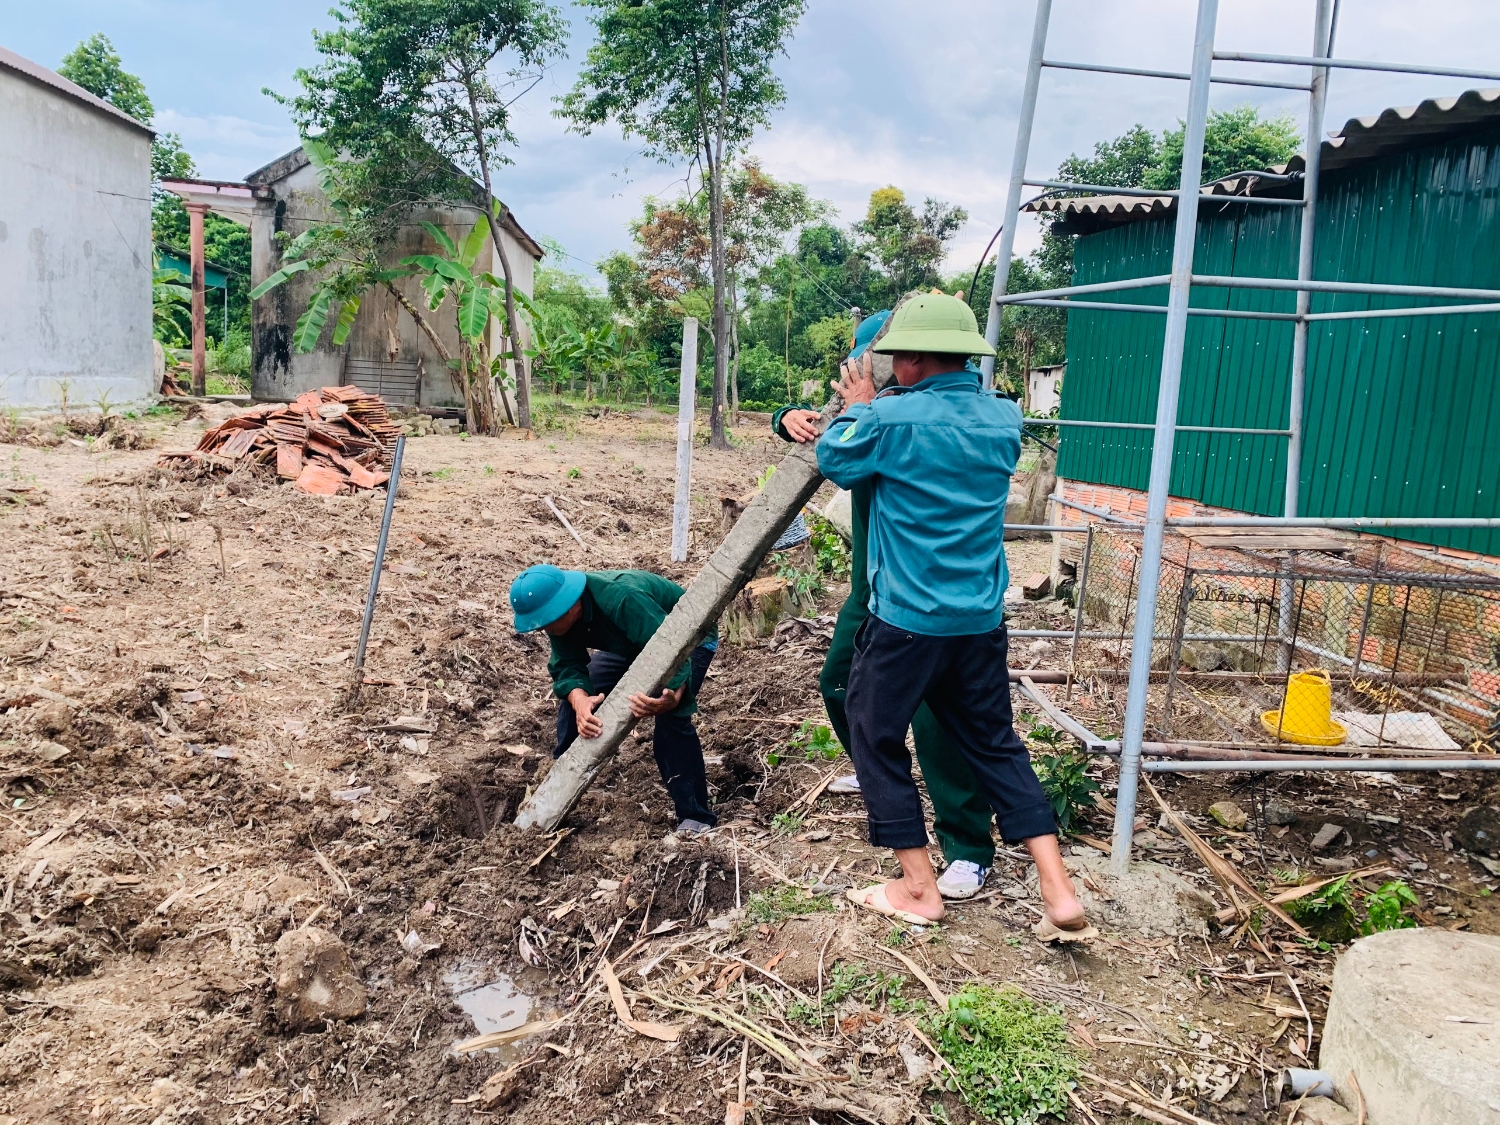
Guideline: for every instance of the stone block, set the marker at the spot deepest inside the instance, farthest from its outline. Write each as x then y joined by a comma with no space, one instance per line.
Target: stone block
315,980
1413,1015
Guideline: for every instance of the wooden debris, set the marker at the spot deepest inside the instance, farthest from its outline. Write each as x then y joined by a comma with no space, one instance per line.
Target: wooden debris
328,441
562,519
498,1038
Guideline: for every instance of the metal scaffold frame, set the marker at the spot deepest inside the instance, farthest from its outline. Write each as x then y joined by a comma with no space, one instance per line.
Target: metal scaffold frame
1180,282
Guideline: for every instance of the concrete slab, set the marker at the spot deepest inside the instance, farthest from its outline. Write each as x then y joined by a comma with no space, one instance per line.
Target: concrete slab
1415,1014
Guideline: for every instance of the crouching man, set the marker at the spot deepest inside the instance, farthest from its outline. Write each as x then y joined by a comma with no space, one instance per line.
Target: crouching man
939,453
614,613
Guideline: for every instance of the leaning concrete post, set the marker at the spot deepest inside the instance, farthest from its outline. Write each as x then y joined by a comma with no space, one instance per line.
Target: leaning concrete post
721,578
687,400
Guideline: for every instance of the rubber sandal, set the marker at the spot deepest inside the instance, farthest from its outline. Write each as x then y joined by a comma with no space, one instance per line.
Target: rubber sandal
1048,930
873,899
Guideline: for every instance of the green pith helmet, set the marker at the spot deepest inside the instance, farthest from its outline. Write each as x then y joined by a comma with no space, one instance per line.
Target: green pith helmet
934,322
542,594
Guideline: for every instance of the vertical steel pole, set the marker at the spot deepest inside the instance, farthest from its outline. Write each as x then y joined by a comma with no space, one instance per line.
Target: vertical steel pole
1011,215
1317,99
1080,598
1165,434
687,400
385,533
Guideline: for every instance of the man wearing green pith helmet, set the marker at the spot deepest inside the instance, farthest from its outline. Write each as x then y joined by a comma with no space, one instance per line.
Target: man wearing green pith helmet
598,622
961,815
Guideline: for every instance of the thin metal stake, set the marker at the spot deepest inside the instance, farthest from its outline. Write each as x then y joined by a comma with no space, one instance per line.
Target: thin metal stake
385,531
1080,596
1165,436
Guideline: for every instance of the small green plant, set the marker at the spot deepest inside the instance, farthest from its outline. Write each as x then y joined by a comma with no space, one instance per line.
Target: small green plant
788,823
829,549
160,410
814,740
1009,1055
574,472
778,903
1330,914
1067,784
1046,735
442,474
896,938
1385,909
874,989
489,470
804,585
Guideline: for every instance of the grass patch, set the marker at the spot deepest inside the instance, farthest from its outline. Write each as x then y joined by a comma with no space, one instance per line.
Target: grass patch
441,474
1010,1056
778,903
872,988
788,823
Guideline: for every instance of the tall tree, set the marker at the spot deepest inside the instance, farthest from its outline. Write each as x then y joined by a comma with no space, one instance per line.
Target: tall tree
421,88
909,246
96,66
692,79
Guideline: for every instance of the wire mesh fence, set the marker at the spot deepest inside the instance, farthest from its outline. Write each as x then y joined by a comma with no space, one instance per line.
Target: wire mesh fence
1353,646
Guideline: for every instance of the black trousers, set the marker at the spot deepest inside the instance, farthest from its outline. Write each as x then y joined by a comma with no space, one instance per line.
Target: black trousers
679,753
964,682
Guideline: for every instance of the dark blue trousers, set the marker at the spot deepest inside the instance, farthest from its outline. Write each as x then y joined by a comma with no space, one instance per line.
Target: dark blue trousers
965,683
678,751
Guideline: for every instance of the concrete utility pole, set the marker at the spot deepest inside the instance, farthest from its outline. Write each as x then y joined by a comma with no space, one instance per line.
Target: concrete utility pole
687,401
196,211
721,578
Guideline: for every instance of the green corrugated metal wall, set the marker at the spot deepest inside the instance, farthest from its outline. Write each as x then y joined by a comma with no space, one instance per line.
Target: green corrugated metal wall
1402,414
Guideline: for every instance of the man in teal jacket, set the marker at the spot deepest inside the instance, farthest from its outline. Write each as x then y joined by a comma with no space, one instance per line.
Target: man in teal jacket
939,453
961,814
614,613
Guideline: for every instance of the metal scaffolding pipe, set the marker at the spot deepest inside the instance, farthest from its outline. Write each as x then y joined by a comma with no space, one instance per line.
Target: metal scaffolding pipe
1155,193
1137,72
1124,283
1355,64
1371,288
1423,310
1341,523
1092,424
1317,100
1012,212
1121,306
1164,439
1322,765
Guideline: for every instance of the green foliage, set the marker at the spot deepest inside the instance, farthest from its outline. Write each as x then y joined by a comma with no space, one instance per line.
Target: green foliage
226,245
574,472
171,306
804,585
816,740
909,246
829,549
95,65
874,989
1010,1056
1066,782
788,823
776,904
1386,908
1235,140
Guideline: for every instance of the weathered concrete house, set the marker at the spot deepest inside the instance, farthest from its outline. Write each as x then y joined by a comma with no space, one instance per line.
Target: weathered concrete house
386,352
75,243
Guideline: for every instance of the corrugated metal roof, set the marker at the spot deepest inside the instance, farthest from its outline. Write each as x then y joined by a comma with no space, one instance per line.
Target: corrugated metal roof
38,73
1361,139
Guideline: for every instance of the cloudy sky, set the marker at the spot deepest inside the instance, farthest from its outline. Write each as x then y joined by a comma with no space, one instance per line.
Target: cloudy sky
922,94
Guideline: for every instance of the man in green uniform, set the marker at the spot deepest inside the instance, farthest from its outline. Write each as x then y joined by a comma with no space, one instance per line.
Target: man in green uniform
961,814
614,613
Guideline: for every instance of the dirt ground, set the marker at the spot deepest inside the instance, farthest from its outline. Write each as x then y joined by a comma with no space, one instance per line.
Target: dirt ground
186,781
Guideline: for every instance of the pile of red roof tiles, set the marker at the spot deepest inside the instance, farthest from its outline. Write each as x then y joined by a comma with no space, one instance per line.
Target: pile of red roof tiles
328,441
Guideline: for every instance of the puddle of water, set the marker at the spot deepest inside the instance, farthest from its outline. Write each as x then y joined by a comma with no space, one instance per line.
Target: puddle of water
494,1003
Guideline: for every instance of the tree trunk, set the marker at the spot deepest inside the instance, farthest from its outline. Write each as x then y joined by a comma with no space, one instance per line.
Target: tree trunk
430,333
717,436
734,344
721,578
512,337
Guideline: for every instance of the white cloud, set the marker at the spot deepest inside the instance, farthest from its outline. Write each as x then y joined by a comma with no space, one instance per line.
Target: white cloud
226,147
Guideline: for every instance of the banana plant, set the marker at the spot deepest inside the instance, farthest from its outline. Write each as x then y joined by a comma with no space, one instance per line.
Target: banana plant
346,255
170,304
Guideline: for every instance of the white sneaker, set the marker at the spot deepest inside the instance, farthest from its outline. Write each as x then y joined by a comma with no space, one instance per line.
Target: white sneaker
963,879
849,784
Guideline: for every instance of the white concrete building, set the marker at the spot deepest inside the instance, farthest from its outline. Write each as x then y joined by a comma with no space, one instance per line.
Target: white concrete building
75,244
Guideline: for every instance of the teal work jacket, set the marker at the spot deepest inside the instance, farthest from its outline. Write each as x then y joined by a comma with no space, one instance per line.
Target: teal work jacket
940,456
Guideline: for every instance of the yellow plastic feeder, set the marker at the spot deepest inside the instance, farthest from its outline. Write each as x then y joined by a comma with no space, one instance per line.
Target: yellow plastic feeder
1308,717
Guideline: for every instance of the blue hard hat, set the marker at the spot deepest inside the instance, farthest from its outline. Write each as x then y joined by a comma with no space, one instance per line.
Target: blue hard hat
542,594
867,330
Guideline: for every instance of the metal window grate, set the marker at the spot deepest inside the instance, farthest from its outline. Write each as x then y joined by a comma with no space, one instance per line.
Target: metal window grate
396,381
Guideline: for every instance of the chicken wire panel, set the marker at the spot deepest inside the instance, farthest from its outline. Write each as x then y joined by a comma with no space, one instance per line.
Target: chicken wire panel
1410,646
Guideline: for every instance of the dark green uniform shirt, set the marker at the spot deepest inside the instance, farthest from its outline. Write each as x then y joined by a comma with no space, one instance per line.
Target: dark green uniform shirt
622,609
